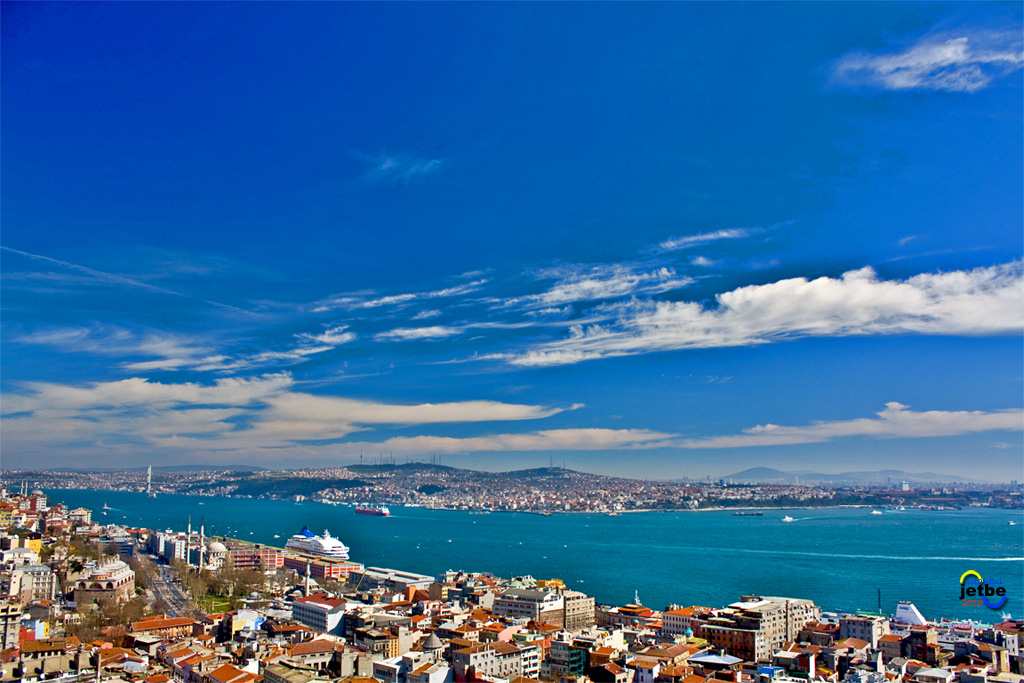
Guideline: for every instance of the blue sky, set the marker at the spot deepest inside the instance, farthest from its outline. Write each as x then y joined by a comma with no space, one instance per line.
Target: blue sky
665,239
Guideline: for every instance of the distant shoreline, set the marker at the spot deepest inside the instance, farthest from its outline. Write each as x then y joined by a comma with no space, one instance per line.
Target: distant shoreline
545,513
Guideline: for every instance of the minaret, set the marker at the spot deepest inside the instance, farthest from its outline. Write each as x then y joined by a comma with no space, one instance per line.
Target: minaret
202,546
305,587
149,481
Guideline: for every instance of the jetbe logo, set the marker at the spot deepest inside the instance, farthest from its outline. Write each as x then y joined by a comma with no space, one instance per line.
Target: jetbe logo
974,590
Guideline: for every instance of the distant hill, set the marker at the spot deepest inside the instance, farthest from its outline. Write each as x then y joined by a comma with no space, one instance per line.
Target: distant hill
404,468
771,476
537,472
762,474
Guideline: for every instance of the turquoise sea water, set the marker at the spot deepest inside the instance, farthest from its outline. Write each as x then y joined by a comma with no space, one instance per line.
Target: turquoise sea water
837,557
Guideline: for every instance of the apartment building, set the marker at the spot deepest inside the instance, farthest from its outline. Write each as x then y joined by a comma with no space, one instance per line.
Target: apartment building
757,626
544,606
320,613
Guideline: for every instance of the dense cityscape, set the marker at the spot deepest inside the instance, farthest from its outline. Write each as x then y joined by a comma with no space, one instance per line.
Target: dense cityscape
543,490
88,601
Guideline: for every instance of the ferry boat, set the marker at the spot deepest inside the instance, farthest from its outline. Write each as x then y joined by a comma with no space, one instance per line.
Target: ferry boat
373,510
322,546
747,513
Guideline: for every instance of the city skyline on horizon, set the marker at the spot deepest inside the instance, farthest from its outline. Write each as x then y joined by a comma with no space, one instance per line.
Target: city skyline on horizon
285,235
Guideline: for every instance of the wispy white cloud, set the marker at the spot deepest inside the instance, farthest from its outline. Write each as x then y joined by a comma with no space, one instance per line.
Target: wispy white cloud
172,351
263,358
896,421
176,352
357,301
597,282
175,363
306,344
984,301
687,241
424,315
402,167
415,333
967,61
562,311
332,336
385,301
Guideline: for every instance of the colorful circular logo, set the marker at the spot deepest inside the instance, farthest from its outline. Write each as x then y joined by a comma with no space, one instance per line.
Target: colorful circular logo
971,584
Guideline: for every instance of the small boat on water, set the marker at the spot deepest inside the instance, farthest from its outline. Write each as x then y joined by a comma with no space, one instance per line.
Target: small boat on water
747,513
106,507
787,518
876,512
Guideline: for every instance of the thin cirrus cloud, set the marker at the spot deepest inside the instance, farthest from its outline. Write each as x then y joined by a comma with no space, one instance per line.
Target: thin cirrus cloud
308,344
962,62
398,168
983,301
354,302
172,351
418,333
175,352
896,421
596,282
687,241
333,336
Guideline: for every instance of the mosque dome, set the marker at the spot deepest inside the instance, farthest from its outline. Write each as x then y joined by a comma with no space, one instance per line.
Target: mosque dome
432,642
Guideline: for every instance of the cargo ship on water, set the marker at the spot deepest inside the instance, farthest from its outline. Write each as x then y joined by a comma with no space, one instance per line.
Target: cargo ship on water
373,510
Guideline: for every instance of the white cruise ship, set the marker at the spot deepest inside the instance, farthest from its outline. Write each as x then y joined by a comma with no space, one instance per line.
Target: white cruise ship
323,546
